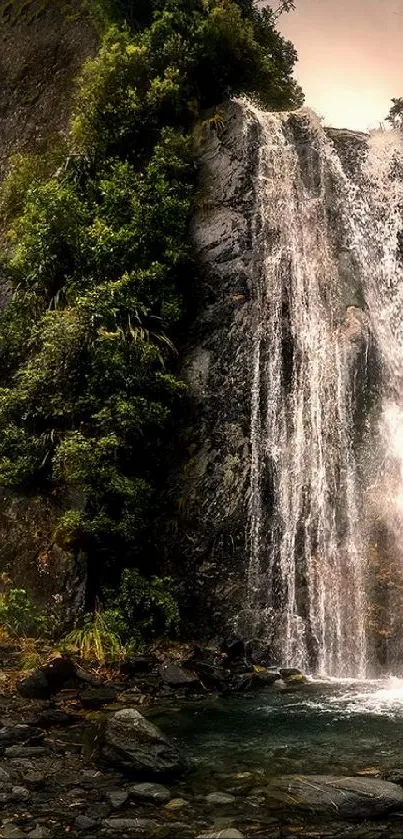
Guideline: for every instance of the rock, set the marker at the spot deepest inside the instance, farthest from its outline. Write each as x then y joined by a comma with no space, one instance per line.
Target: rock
340,798
11,831
34,686
175,677
291,675
26,751
137,746
233,649
136,827
48,679
39,832
226,833
84,823
220,798
212,676
34,780
117,798
53,717
12,735
5,778
177,804
137,664
150,792
95,697
20,794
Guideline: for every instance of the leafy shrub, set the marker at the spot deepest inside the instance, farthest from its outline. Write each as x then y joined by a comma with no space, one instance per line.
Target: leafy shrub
142,608
19,616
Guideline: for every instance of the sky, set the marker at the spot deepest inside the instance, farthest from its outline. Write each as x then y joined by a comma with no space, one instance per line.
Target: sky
350,58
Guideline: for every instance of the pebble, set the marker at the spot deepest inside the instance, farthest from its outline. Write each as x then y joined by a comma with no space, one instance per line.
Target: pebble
150,792
176,804
117,798
228,833
84,823
220,798
20,794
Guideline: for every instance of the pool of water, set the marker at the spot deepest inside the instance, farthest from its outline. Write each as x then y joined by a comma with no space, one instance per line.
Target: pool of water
336,727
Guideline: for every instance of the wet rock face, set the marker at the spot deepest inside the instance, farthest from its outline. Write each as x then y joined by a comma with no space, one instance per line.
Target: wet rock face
136,746
214,447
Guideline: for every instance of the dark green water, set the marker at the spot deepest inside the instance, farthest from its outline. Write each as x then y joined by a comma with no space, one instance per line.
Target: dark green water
337,728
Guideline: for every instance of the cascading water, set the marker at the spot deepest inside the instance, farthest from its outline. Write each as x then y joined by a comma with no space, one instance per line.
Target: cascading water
327,287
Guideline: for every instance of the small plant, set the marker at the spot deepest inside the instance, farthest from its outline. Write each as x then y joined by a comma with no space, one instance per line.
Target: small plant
19,616
96,642
144,608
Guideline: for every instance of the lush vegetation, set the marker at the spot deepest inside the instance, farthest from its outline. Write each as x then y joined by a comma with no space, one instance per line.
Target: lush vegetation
99,266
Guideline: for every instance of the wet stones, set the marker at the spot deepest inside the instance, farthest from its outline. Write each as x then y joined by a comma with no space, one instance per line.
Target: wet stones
150,792
337,798
136,746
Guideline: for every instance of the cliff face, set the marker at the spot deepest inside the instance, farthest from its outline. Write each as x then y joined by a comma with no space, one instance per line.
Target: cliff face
40,55
41,52
211,490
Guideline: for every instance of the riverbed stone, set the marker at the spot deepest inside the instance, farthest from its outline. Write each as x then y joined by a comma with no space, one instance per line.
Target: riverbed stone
340,798
220,798
226,833
150,792
137,746
11,831
134,827
177,804
12,735
117,798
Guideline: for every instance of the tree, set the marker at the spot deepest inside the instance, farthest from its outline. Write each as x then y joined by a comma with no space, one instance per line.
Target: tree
395,115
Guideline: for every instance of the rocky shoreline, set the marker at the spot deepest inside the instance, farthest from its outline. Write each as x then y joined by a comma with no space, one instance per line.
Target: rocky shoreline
81,760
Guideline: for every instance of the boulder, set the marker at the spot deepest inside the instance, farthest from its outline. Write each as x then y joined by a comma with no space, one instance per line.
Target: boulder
338,798
48,679
135,745
176,677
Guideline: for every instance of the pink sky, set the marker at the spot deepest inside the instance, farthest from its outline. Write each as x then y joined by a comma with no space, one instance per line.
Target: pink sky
350,57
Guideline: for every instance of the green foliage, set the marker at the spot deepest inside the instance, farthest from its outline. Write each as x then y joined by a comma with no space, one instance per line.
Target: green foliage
143,609
99,268
19,616
95,642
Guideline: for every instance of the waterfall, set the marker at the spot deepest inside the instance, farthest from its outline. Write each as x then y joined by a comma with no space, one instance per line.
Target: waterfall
327,384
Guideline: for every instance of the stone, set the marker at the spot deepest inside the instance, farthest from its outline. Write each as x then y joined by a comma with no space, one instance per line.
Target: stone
20,794
150,792
25,751
84,823
137,827
95,697
212,676
117,798
176,677
53,717
226,833
11,735
220,798
11,831
291,675
338,798
137,664
137,746
34,686
39,832
34,780
5,778
177,804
